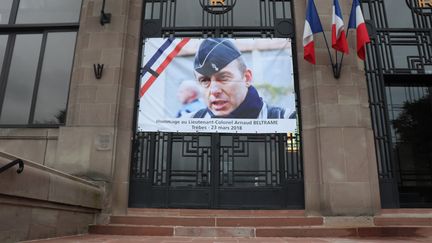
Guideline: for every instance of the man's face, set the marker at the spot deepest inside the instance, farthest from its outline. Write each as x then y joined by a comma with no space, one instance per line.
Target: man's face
225,90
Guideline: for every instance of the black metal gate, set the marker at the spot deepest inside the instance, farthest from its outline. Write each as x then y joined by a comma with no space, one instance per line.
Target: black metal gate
400,55
218,170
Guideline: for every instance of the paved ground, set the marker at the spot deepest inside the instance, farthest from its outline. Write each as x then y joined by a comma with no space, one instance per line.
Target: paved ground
148,239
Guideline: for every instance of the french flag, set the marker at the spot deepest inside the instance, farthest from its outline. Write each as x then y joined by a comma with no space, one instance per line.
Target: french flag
357,22
312,26
339,41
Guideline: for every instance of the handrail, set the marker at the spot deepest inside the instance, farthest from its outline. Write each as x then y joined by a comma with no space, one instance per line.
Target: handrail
17,161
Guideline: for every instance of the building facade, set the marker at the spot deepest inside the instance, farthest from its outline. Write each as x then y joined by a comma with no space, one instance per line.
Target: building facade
362,142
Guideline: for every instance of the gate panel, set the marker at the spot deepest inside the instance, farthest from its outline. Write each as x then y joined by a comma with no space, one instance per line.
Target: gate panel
400,47
218,170
190,170
259,171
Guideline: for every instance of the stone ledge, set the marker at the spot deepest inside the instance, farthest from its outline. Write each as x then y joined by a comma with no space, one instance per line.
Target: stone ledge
35,203
11,157
42,183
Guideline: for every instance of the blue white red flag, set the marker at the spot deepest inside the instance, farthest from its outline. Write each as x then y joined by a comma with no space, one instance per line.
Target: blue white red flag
339,41
163,56
357,22
312,26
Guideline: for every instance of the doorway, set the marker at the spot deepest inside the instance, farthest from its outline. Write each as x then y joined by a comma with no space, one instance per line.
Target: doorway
217,171
410,118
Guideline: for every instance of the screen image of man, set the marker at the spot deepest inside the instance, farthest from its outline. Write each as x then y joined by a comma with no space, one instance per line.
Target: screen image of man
227,84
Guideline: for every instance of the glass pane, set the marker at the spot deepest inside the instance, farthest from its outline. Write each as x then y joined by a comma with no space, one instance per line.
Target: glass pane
54,82
403,54
188,13
48,11
412,144
366,13
5,8
19,88
153,9
283,9
3,42
247,13
398,13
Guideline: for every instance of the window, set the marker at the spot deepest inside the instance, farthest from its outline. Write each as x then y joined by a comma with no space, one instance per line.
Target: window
37,43
5,8
48,11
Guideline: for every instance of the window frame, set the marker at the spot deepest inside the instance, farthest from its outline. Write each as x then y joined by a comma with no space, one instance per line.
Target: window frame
12,30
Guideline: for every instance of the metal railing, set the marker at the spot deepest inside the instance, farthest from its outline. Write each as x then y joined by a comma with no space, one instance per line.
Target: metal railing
11,164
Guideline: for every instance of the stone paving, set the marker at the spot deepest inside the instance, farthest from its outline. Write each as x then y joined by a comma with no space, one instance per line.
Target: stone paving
91,238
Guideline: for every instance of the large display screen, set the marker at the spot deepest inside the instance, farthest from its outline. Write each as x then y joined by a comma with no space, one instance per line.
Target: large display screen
217,85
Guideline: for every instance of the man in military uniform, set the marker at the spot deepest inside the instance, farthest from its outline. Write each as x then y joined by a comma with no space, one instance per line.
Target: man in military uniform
227,84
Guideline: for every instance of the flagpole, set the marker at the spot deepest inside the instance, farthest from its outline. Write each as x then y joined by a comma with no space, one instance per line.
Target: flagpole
331,59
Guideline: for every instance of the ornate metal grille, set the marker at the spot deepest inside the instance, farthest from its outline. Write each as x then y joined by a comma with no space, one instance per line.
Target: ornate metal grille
217,170
248,18
266,164
401,47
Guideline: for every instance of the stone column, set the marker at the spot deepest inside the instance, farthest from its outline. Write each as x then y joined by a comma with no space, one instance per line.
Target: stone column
340,166
96,141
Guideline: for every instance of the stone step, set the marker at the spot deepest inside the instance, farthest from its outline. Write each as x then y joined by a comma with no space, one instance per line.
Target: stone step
251,232
404,217
163,220
214,212
402,221
217,221
345,232
264,223
118,229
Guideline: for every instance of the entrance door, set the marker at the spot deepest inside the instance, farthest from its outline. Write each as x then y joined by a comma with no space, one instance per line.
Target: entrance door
198,170
217,171
410,119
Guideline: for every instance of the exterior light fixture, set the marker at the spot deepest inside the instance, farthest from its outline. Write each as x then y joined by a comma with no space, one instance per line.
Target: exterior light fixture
105,18
98,69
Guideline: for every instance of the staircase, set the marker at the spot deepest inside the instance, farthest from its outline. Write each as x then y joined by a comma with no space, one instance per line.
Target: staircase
259,223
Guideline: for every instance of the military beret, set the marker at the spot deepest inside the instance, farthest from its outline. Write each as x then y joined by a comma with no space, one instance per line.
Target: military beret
214,54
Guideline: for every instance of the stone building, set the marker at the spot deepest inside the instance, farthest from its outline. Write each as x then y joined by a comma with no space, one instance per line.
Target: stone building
84,159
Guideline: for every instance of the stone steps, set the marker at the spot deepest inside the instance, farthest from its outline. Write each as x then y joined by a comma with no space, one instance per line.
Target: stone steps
407,217
213,212
260,223
217,221
294,231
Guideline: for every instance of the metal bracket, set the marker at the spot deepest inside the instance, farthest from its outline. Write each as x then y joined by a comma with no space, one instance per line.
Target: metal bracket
105,18
98,69
11,164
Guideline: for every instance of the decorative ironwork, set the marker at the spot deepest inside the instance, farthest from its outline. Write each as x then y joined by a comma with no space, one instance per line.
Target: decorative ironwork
218,6
217,170
422,7
168,18
173,161
401,46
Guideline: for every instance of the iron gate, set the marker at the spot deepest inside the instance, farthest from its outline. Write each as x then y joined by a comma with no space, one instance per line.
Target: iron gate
400,54
217,170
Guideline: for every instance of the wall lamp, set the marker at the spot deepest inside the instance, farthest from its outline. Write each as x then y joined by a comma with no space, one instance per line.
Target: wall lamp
105,18
98,69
